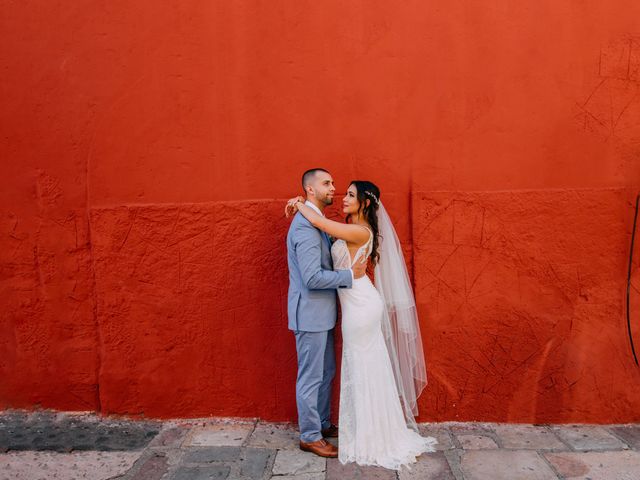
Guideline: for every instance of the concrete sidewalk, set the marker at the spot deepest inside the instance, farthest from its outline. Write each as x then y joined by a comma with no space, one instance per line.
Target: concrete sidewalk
49,445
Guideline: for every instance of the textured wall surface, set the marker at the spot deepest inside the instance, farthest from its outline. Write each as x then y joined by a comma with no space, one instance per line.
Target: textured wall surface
147,148
523,301
48,329
191,303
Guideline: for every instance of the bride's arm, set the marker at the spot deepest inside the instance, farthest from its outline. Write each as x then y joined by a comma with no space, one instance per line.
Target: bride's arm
349,233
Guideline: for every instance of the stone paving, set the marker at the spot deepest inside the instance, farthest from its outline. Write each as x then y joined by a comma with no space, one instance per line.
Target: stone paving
69,446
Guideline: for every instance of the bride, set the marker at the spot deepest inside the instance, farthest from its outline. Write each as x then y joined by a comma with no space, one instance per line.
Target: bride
383,369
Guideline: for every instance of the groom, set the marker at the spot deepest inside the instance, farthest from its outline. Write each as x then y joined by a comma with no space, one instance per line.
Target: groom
312,311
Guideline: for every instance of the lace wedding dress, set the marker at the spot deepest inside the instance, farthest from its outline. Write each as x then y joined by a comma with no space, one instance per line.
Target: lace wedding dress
373,429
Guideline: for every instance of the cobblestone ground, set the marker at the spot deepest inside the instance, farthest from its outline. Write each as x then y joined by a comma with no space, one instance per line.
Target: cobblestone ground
48,445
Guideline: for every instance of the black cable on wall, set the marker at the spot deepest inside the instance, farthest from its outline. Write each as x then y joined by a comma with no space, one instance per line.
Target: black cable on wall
633,236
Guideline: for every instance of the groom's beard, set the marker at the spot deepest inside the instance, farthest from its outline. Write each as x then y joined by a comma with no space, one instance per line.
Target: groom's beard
327,200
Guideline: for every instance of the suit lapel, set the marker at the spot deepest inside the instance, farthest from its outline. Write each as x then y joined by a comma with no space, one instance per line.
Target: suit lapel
326,237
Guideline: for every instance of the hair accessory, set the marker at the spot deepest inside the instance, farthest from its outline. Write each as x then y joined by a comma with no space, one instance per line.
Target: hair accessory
372,196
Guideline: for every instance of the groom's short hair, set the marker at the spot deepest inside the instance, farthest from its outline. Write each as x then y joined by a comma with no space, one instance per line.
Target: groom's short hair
308,176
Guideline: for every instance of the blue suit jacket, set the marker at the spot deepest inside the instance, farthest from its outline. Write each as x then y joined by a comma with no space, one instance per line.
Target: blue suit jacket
312,305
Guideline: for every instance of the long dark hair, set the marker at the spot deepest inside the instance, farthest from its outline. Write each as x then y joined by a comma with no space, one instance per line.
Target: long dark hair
368,191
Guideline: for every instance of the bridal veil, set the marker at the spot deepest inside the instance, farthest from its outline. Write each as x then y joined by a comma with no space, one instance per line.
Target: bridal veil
400,319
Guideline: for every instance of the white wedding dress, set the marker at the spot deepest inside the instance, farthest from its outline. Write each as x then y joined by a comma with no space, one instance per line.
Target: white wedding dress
373,429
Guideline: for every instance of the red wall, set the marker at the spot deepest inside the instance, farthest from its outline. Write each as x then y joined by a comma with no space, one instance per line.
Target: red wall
147,148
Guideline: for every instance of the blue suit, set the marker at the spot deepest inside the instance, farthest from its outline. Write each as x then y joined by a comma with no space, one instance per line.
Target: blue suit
312,311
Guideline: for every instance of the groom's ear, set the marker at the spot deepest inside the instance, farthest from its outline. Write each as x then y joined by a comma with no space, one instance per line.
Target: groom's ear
308,190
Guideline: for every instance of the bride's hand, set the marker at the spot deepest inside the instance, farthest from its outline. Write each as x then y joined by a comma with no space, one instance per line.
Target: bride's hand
291,207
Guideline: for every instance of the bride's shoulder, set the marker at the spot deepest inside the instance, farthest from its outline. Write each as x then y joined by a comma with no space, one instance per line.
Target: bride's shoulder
368,229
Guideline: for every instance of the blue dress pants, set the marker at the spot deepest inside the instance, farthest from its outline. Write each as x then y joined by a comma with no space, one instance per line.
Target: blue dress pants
316,369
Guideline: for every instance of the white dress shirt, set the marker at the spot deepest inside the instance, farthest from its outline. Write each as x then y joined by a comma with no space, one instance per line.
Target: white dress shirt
313,205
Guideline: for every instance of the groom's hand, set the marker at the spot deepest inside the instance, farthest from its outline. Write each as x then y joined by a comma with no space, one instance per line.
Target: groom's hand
359,269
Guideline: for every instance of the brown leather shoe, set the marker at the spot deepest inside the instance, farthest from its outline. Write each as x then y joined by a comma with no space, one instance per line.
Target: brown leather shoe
331,431
321,448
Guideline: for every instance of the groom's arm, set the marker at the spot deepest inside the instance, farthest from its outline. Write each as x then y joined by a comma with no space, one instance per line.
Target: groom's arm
308,243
